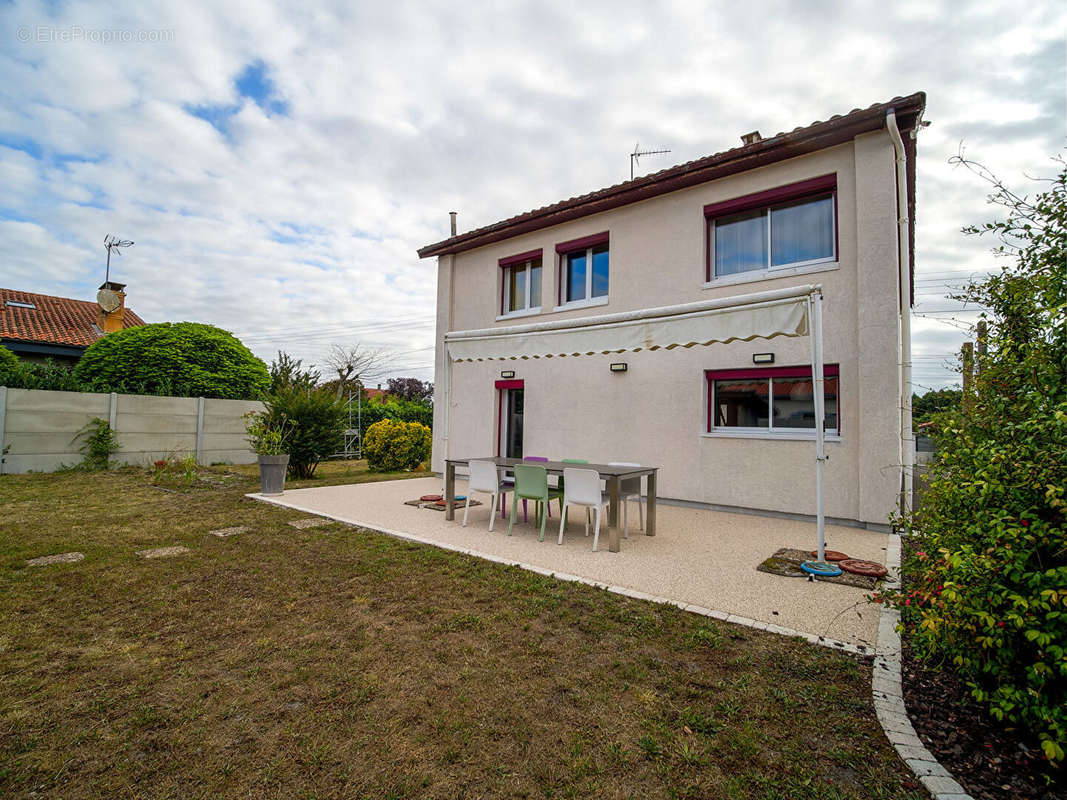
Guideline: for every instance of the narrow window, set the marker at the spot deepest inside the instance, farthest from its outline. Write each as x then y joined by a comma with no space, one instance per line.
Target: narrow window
584,269
521,285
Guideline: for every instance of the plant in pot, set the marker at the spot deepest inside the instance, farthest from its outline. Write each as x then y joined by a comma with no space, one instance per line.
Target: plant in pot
268,439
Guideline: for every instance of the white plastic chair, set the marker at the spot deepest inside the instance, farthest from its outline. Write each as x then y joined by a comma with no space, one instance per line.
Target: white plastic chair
484,478
630,489
581,487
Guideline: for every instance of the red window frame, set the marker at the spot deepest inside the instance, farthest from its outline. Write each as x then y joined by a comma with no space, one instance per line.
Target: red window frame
511,261
762,373
563,248
771,197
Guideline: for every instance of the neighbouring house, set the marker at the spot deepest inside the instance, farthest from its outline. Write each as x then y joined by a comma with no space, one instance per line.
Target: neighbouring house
729,424
39,326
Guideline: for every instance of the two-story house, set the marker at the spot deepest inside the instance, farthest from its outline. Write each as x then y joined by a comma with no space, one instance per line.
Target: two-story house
729,424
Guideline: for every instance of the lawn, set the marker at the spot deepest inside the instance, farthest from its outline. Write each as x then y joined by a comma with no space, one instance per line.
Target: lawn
338,662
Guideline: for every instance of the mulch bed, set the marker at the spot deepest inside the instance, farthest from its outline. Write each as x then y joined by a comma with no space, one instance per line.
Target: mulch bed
787,560
988,760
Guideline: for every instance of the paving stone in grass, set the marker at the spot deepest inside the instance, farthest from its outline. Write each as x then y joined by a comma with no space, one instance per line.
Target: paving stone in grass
310,522
163,552
58,558
222,533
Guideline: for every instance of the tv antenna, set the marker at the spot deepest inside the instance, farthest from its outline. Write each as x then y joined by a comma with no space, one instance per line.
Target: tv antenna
112,242
635,156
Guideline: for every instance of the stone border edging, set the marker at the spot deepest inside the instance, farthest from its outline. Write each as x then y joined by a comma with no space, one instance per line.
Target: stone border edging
888,695
832,644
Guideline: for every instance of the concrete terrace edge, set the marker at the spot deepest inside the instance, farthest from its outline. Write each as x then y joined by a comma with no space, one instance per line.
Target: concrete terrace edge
625,591
888,695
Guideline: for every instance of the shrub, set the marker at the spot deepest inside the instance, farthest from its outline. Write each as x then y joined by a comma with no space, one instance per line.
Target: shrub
315,421
395,409
392,445
42,375
98,443
180,358
9,366
986,570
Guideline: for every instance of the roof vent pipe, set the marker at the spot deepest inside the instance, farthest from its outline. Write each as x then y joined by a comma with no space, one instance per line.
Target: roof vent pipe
452,219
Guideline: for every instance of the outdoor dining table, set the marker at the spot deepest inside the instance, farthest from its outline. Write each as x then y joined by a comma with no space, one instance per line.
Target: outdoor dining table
612,474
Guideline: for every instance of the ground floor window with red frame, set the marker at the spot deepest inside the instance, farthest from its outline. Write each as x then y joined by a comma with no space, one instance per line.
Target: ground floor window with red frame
772,399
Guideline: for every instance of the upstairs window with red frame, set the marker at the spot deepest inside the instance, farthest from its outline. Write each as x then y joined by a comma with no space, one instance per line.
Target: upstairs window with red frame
521,283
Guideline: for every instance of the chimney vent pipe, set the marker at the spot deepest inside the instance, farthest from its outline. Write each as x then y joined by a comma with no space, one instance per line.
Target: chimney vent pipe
452,219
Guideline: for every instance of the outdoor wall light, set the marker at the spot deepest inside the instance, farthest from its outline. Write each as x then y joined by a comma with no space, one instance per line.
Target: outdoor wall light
618,367
763,358
507,373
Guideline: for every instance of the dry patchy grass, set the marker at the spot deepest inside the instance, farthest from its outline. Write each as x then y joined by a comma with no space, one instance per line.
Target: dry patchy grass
338,662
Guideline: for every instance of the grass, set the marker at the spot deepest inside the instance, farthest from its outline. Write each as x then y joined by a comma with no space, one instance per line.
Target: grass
338,662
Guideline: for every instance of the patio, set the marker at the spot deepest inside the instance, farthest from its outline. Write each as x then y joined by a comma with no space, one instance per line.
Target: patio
699,558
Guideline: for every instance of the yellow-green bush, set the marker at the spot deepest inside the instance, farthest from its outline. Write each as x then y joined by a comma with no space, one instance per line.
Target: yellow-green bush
392,445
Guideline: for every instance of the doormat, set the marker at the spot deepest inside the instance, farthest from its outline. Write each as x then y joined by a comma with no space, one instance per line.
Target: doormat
787,562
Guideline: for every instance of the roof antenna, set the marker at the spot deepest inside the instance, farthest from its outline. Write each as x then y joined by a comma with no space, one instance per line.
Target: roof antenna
635,156
113,243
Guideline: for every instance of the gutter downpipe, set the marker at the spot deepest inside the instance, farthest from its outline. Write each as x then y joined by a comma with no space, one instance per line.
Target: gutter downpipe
907,437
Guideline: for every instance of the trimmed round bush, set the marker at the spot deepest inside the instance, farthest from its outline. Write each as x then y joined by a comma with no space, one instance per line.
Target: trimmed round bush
174,358
392,445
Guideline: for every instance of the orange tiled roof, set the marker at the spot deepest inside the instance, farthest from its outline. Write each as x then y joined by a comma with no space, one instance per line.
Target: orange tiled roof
53,320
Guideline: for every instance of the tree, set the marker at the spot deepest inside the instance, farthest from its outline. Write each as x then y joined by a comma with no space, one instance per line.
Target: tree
355,365
986,569
933,402
175,358
315,420
9,366
287,371
411,389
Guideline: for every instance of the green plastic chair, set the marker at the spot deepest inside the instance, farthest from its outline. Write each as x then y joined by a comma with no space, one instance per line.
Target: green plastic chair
531,483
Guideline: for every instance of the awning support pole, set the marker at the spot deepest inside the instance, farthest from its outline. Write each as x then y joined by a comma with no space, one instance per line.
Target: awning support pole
818,385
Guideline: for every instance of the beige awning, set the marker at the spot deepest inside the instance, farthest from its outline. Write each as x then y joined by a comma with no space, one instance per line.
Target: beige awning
762,315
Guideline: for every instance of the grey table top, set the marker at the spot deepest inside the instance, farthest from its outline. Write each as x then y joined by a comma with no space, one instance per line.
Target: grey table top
606,470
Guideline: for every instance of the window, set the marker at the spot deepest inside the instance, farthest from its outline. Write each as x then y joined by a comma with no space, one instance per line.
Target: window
791,226
521,283
776,399
19,304
584,267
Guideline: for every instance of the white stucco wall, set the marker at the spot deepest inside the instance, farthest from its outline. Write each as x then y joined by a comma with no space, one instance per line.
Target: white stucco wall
655,413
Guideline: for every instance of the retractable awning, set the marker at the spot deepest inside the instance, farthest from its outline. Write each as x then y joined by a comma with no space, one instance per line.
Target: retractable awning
763,315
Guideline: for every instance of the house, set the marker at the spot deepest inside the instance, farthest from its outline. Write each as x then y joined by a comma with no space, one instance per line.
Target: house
730,424
39,326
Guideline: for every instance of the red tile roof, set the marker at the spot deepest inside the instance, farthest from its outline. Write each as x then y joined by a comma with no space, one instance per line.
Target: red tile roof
799,141
53,320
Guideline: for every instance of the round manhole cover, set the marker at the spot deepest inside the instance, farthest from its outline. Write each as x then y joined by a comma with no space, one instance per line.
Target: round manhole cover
830,555
821,568
430,498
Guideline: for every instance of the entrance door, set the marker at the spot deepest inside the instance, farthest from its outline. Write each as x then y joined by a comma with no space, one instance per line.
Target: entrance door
513,403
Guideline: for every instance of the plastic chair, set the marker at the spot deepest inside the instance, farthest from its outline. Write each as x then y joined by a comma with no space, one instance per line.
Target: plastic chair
558,485
484,477
630,489
582,488
531,483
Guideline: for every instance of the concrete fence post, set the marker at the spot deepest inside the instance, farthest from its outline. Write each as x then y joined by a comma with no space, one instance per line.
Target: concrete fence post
113,411
199,429
3,421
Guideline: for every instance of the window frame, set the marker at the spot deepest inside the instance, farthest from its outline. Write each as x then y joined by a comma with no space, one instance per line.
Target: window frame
767,201
768,374
584,245
526,261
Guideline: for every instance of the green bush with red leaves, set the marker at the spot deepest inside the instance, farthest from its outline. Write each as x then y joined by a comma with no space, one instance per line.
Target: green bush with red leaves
985,574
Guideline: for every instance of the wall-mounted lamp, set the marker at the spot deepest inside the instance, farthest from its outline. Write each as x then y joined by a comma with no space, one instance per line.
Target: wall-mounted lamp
763,358
507,373
618,367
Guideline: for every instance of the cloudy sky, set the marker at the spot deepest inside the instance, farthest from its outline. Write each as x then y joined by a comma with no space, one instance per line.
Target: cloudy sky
278,164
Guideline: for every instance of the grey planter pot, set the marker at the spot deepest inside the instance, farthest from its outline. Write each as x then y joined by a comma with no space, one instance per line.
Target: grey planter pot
272,474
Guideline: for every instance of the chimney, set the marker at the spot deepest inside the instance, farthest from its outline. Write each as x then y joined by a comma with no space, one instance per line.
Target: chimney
452,219
751,138
111,306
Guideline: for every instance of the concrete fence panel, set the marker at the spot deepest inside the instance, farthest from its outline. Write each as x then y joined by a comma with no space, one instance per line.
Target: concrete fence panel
39,428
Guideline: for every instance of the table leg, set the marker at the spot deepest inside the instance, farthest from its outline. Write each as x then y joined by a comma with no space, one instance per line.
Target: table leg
650,505
450,490
613,515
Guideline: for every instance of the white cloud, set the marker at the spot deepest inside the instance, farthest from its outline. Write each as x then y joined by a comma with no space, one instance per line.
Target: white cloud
306,224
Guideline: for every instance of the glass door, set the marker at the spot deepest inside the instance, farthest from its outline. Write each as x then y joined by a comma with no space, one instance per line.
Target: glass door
513,411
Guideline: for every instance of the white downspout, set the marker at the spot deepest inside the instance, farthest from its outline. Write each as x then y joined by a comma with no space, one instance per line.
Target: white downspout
907,437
